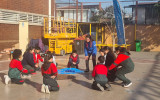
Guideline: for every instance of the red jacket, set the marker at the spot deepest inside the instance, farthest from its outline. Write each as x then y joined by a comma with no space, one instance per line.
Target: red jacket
38,58
99,69
51,70
16,64
124,60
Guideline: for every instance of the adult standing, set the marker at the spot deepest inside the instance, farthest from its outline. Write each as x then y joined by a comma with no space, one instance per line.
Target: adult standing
90,49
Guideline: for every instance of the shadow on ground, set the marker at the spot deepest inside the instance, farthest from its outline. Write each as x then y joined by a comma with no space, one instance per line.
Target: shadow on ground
36,85
83,83
2,77
150,87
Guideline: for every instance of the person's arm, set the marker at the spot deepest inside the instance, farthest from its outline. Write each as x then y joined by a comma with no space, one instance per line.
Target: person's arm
94,52
70,60
94,72
20,67
77,60
30,60
119,59
54,69
85,49
39,57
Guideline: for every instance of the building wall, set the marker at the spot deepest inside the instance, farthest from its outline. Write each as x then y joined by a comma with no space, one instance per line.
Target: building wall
71,14
140,15
32,6
148,34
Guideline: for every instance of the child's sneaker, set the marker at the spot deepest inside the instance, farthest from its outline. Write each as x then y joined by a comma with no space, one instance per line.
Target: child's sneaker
43,88
127,85
47,89
7,79
100,87
108,87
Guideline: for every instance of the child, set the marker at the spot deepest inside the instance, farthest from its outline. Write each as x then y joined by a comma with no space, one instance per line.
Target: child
110,57
54,60
37,56
15,69
100,76
49,73
73,60
127,65
28,61
101,51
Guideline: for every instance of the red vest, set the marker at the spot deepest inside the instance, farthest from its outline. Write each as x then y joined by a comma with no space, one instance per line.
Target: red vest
74,58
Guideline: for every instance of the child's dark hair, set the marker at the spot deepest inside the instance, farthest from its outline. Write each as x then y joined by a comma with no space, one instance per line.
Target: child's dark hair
122,50
89,36
74,51
101,50
37,48
29,49
46,62
17,53
101,59
110,51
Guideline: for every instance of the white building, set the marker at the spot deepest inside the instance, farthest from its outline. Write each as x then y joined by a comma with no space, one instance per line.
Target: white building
70,12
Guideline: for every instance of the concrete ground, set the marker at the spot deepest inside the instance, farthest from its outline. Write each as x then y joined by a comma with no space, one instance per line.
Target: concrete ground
145,78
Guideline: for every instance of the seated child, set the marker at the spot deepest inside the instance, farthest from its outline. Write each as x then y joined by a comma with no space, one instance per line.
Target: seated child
37,56
100,76
54,60
73,60
102,53
49,73
15,69
28,61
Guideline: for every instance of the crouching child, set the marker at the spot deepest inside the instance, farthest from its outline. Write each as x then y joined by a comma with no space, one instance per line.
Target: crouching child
15,69
49,73
100,76
73,60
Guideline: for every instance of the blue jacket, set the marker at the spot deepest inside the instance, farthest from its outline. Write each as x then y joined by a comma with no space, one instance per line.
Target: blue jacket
90,49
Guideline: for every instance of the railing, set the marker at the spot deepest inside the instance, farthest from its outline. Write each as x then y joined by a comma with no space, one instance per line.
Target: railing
13,17
57,27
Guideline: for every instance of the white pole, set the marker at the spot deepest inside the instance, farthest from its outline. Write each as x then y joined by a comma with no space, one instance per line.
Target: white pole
49,15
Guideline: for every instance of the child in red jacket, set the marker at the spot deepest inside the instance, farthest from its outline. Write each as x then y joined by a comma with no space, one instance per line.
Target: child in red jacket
73,60
100,76
127,64
37,56
49,73
15,69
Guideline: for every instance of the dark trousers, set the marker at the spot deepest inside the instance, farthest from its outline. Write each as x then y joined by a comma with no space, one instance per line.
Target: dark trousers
112,75
95,87
31,69
71,65
121,74
52,84
17,81
93,61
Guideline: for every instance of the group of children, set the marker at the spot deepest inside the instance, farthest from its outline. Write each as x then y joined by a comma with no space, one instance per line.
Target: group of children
104,72
107,68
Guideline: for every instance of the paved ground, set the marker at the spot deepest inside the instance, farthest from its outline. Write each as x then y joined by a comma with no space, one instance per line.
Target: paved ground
145,78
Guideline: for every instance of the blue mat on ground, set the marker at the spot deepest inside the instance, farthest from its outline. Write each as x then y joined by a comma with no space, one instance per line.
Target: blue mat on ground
69,71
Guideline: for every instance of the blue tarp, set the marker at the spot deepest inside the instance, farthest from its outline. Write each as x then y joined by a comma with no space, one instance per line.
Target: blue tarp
69,71
119,22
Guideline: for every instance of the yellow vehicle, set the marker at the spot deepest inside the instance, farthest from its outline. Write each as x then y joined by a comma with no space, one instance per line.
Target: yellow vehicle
60,34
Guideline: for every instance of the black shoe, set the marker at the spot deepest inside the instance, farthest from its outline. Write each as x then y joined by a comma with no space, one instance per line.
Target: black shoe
86,71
